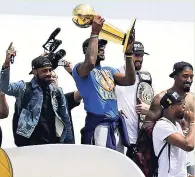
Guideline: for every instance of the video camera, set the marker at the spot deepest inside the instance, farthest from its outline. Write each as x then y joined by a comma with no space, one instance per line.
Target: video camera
51,45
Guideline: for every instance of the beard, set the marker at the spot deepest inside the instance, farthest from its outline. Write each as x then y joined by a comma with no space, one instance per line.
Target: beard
44,81
99,59
187,86
138,65
187,89
180,115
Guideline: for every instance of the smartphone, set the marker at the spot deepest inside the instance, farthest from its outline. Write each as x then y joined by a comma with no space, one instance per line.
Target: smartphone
61,62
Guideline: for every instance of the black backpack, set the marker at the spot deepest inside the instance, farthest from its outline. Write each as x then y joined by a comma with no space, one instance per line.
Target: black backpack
144,155
18,139
155,174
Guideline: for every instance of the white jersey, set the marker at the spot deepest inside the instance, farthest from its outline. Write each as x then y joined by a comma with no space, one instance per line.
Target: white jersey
127,100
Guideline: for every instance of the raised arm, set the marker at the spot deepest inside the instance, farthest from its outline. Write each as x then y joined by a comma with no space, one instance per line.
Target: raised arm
186,143
129,77
4,109
85,67
12,89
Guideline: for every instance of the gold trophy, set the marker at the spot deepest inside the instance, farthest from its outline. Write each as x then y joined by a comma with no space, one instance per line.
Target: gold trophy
83,16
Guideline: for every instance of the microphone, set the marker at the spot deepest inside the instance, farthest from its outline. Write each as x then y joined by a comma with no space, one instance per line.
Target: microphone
12,56
54,34
12,59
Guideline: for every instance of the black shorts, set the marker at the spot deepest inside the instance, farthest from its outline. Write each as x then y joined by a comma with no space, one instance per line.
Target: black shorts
130,151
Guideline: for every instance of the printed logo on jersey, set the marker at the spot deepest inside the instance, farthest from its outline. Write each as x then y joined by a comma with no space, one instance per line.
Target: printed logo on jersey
105,83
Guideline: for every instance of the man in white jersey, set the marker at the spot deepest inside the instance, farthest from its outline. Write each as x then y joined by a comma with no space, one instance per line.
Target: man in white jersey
127,100
172,161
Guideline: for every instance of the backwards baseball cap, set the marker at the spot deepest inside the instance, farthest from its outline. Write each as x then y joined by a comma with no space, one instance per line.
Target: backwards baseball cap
86,43
138,48
170,98
40,62
180,66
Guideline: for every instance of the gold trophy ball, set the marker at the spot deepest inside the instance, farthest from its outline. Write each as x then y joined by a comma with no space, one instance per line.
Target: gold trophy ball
83,15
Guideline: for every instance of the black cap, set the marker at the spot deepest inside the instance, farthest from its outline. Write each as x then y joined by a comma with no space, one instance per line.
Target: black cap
180,66
170,98
86,43
138,48
40,62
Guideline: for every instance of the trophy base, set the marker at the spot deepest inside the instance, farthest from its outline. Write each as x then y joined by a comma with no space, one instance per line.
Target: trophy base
128,35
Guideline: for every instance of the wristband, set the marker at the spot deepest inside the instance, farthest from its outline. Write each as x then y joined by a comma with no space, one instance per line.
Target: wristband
6,65
94,35
128,56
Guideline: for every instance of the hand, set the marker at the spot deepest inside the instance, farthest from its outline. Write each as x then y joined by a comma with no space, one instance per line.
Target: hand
97,24
183,123
123,114
44,54
10,52
141,108
189,116
68,66
131,42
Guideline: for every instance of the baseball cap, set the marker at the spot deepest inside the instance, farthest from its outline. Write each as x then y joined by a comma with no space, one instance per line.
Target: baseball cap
138,48
40,62
100,41
180,66
170,98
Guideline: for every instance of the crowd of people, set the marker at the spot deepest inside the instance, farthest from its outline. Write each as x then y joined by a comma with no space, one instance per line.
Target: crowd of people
161,132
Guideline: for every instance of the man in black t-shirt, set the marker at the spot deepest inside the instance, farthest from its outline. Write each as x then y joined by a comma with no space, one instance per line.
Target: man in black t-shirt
40,115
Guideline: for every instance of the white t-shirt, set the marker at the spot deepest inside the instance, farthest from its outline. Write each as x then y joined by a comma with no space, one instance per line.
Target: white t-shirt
190,158
162,129
126,100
